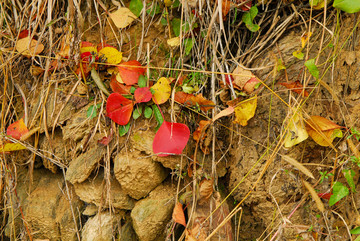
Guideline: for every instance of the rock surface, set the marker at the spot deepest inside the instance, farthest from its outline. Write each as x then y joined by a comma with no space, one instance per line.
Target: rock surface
47,210
93,190
100,227
136,175
150,215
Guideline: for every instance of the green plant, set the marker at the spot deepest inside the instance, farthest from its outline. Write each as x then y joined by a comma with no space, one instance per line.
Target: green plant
355,133
248,18
325,175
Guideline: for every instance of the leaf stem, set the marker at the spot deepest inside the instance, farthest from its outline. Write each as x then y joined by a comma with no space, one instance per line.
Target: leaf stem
98,81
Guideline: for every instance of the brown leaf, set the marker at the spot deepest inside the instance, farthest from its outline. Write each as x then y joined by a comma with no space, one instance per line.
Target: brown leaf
200,131
178,214
191,100
205,189
296,87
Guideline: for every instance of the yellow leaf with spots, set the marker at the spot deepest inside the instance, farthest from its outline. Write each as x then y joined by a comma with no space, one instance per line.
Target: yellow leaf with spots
11,147
245,110
296,131
111,54
162,91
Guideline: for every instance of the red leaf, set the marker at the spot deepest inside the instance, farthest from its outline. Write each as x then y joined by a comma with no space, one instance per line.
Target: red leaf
178,214
296,87
17,129
130,73
23,34
106,139
119,109
326,196
118,87
171,138
246,6
142,94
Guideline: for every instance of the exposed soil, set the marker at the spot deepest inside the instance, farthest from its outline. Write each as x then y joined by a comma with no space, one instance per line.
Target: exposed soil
235,183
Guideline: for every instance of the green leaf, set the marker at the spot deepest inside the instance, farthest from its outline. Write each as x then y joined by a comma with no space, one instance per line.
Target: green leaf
349,175
349,6
158,116
337,133
148,112
339,192
142,81
163,21
135,7
310,64
298,54
176,4
357,239
355,230
91,112
187,89
124,129
132,90
137,112
248,18
280,65
189,43
175,23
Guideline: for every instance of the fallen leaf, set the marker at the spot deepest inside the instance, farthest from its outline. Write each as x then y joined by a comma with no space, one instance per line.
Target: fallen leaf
17,129
65,46
245,111
205,189
322,130
173,42
162,91
7,147
225,8
305,38
171,138
178,214
244,79
118,87
110,54
119,109
296,131
29,47
192,100
296,87
226,112
200,131
142,94
122,17
24,33
314,195
298,165
106,139
87,47
130,72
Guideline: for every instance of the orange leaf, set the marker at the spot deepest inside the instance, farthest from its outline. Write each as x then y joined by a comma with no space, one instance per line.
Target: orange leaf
118,87
130,72
191,100
296,87
226,112
17,129
200,131
322,130
322,123
178,214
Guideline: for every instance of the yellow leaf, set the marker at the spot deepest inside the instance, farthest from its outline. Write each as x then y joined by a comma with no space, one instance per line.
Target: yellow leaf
122,17
29,47
322,130
296,132
112,55
245,111
173,42
162,91
168,3
305,38
11,147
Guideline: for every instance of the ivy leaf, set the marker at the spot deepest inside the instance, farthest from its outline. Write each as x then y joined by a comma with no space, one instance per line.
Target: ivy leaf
92,111
248,18
189,43
137,112
142,81
171,138
159,118
339,192
314,71
148,112
135,7
349,6
119,109
124,129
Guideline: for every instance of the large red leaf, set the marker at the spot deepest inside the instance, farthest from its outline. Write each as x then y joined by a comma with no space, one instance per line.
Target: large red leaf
171,138
142,94
17,129
118,87
119,109
130,73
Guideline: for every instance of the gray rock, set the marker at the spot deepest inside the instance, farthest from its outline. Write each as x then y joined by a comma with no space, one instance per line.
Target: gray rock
136,175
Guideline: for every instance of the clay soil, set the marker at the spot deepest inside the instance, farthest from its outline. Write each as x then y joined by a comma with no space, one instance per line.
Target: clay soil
235,183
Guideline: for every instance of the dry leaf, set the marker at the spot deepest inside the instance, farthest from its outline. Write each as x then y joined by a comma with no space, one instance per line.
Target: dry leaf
7,147
305,38
178,214
200,131
173,42
122,17
205,189
298,165
245,111
29,47
314,195
162,91
296,131
244,79
297,87
226,112
322,130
